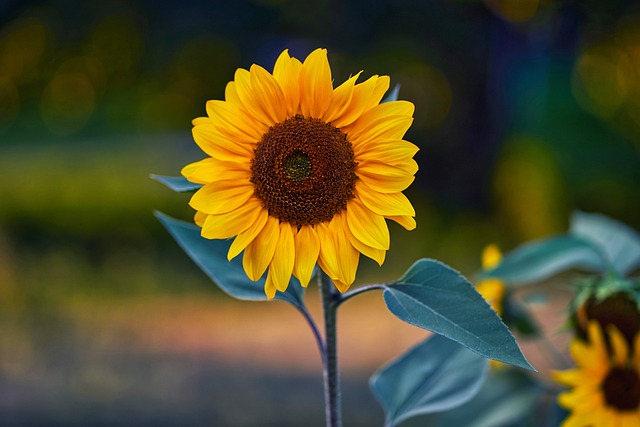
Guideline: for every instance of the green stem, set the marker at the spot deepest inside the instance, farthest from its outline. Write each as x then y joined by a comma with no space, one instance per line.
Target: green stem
362,289
330,301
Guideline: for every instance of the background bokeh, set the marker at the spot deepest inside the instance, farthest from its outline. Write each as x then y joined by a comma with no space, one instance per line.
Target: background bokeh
525,111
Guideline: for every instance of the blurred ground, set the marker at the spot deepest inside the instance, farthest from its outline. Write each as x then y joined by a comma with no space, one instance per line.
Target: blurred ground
204,360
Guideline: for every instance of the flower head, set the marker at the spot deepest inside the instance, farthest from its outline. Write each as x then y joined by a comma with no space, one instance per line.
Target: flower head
301,172
619,309
605,387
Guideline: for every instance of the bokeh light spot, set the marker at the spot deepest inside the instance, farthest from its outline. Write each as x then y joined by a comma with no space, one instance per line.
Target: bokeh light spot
514,10
528,189
67,103
118,43
21,49
429,89
598,84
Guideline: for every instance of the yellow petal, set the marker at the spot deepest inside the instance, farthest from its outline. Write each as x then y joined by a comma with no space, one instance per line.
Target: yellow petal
571,377
328,257
408,167
269,288
388,151
598,347
199,218
307,251
249,98
578,398
378,255
259,253
581,353
199,121
619,344
577,420
491,256
348,256
386,204
365,96
268,94
630,419
340,285
379,114
233,121
384,183
231,94
406,221
221,196
224,226
287,73
367,226
381,87
341,99
389,128
243,239
315,84
283,258
211,169
217,145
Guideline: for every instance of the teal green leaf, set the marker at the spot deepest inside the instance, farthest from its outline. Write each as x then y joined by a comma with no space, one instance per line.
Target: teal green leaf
176,183
393,95
434,296
211,257
506,398
541,259
434,376
620,243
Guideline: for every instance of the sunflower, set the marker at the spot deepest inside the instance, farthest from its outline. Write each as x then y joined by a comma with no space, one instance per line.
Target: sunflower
492,289
606,385
300,172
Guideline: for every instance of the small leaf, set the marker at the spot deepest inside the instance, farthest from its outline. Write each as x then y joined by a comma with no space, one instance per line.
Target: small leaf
176,183
393,95
434,376
433,296
506,398
211,257
621,244
541,259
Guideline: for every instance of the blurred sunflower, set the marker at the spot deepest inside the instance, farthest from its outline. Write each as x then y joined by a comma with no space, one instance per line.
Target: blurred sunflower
605,388
492,289
301,172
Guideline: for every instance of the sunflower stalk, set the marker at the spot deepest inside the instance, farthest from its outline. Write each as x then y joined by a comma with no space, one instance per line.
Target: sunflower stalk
330,301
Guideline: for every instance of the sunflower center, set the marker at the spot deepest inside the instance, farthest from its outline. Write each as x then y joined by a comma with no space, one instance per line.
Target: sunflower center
621,389
297,166
303,171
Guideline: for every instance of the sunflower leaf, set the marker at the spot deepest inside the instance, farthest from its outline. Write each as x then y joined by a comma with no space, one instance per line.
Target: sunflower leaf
506,398
541,259
211,257
434,376
620,243
176,183
433,296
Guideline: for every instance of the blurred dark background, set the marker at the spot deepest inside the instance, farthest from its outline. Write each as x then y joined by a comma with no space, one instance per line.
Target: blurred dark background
525,111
